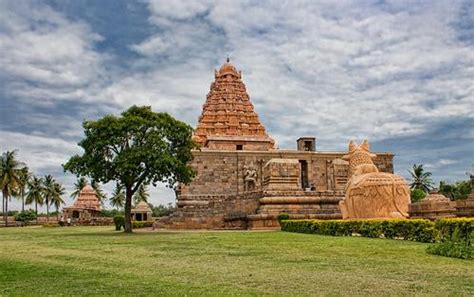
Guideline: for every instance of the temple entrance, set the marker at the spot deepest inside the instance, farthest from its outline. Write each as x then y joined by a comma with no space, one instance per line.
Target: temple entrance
75,214
304,174
138,217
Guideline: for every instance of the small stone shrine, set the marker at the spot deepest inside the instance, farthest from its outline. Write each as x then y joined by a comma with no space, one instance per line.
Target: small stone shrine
433,206
86,206
142,212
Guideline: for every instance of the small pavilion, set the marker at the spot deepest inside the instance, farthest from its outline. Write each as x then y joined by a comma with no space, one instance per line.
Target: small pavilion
142,212
86,206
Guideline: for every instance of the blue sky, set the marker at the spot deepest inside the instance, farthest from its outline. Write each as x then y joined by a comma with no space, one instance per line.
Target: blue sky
400,73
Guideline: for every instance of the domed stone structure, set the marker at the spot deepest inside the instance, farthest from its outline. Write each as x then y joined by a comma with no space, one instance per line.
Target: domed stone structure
142,212
435,205
86,206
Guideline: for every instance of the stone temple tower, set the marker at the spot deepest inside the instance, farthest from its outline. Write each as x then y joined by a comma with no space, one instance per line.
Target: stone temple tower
228,120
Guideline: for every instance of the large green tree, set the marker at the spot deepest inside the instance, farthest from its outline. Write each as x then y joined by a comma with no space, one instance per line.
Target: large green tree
35,193
138,147
10,169
421,179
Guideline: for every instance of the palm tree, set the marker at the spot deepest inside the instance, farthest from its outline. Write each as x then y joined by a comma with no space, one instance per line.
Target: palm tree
99,192
49,191
57,199
24,176
9,178
78,186
35,193
118,197
420,179
141,194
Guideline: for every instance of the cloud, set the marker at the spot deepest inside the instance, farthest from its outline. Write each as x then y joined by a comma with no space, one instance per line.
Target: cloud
398,74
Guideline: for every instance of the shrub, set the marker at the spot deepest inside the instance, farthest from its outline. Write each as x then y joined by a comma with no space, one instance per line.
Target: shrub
417,195
415,230
25,216
283,216
455,236
119,222
138,224
452,248
461,228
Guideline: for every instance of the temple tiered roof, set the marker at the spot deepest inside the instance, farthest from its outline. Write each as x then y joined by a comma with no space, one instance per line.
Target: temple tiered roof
87,200
228,120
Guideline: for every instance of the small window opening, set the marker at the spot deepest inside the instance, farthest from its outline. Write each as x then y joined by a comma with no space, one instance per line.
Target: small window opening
239,147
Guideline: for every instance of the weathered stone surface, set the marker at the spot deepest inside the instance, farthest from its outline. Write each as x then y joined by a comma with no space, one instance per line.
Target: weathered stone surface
465,208
228,118
433,206
248,188
370,193
86,206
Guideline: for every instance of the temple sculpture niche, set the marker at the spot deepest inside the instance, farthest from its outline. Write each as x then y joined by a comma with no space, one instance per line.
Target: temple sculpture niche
243,181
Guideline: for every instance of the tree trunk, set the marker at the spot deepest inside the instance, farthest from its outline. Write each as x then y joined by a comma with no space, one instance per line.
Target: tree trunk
128,209
22,201
6,210
47,210
36,211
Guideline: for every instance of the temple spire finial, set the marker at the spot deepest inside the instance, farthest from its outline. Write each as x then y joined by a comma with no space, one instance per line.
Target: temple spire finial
228,58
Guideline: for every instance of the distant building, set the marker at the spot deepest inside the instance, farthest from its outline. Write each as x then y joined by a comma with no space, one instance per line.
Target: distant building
142,212
86,206
243,181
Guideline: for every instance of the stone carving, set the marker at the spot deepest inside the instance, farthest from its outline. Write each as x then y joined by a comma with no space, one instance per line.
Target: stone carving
370,193
250,178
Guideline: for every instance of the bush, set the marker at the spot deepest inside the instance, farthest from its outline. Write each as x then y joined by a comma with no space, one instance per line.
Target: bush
25,216
283,216
137,224
459,229
417,195
451,248
415,230
119,222
455,236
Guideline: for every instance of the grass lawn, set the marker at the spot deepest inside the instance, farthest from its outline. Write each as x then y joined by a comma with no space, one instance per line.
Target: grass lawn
99,261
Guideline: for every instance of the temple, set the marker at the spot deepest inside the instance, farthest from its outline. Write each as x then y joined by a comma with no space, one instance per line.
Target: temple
86,206
243,181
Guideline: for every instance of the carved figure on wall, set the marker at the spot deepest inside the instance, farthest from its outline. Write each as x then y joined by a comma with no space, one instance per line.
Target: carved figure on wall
250,178
370,193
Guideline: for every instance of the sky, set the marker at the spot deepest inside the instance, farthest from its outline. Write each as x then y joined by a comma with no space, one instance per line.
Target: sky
400,73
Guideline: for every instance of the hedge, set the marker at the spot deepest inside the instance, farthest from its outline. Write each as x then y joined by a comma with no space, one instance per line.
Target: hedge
139,224
416,229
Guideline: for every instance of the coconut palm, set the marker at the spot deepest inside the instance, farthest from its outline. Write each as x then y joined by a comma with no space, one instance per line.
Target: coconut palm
118,197
56,198
420,179
141,194
99,192
78,186
35,193
9,178
24,176
49,188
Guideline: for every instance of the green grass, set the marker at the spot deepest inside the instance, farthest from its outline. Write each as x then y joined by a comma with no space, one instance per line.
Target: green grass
90,261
